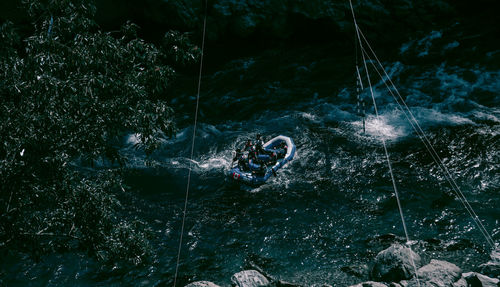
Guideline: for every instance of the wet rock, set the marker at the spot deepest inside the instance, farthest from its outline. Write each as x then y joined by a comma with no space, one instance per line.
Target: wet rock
369,284
436,273
254,262
479,280
395,264
202,284
495,255
250,278
492,267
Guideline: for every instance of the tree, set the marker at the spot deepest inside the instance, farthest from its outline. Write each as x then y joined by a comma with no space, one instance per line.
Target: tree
68,93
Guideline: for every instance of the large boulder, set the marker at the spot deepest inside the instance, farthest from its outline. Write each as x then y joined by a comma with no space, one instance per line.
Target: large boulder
369,284
250,278
202,284
492,267
395,264
436,274
479,280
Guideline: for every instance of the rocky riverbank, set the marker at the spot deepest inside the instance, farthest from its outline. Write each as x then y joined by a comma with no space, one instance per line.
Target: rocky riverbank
396,266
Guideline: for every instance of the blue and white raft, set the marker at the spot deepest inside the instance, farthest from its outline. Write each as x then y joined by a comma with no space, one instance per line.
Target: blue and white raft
277,152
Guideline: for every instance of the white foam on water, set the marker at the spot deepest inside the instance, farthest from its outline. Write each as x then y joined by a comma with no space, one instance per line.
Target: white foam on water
428,117
383,127
215,161
310,116
388,126
492,115
133,139
393,124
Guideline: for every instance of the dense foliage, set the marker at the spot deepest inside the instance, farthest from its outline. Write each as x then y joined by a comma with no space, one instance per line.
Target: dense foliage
68,93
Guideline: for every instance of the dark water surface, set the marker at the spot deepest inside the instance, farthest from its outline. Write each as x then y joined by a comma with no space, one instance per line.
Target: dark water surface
333,205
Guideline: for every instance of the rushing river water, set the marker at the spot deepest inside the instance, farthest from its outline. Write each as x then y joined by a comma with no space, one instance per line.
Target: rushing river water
333,206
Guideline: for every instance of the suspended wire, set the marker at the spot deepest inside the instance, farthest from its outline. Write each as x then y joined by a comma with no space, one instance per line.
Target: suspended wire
377,115
192,146
361,110
363,54
386,152
391,173
485,234
422,136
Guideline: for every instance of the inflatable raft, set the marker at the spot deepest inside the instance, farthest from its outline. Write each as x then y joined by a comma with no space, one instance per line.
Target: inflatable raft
277,152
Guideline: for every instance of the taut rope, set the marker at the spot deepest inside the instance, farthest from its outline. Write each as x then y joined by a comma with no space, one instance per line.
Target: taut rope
420,133
385,147
192,146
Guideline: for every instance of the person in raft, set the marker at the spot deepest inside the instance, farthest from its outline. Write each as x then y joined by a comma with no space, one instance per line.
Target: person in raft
259,147
259,144
237,156
248,146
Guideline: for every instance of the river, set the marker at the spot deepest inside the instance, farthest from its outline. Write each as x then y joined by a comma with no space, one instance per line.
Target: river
332,209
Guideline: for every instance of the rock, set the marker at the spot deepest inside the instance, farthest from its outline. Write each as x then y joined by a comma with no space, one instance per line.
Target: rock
250,278
479,280
369,284
436,274
460,283
202,284
495,255
393,284
253,262
395,264
492,267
